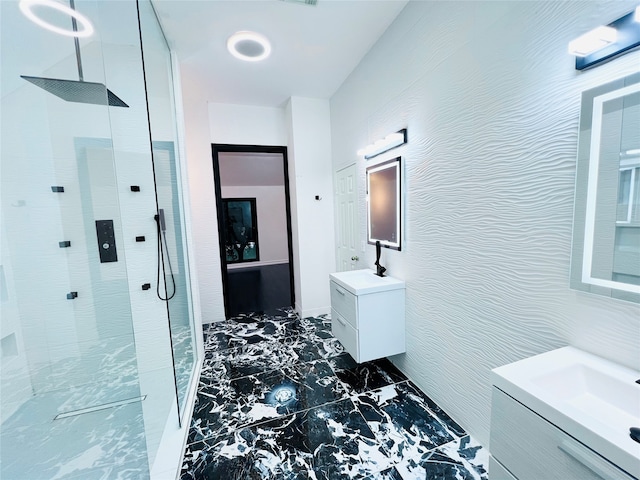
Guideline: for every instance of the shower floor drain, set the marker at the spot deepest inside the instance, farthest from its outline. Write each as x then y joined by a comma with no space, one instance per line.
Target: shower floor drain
97,408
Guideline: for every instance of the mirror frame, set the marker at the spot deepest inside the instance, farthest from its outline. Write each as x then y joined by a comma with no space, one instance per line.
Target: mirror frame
395,196
587,171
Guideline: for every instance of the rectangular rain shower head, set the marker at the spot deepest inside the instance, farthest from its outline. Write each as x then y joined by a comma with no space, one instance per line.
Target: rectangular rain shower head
78,91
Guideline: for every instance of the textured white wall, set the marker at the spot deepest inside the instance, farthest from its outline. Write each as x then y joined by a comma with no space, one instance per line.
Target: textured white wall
204,226
491,101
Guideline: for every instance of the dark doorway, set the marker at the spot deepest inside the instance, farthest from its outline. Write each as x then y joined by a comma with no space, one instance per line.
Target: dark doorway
254,228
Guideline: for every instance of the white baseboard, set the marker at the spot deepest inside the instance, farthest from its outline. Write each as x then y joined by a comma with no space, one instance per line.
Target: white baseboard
313,312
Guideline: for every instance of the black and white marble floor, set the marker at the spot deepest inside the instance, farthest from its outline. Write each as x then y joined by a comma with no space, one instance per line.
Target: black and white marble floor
279,399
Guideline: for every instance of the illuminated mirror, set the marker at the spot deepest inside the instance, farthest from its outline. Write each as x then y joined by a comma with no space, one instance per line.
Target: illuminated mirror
383,204
606,232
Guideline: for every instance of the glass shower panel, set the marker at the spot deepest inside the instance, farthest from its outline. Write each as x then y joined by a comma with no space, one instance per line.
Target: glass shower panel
174,283
71,399
125,74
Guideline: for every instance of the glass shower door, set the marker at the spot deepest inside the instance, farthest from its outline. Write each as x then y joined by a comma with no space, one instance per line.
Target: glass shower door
173,284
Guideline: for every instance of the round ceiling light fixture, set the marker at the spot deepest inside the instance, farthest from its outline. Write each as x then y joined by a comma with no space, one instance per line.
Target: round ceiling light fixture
27,7
249,46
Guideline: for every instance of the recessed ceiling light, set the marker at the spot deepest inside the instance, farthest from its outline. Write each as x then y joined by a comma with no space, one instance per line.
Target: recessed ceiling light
249,46
27,7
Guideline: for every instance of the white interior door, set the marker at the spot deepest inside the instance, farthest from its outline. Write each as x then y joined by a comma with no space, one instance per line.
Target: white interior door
347,202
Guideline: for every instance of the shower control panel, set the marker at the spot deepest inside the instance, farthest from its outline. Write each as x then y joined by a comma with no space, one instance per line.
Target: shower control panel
106,241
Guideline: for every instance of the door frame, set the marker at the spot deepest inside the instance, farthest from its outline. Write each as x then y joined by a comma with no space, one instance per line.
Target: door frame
216,149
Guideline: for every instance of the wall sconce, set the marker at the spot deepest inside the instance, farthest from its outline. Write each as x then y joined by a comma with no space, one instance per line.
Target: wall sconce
389,142
608,41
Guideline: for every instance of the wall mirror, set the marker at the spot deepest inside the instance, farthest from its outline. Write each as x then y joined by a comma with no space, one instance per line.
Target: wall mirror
383,204
241,229
606,230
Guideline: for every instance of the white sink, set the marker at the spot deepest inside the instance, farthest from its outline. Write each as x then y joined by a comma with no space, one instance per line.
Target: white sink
360,282
592,399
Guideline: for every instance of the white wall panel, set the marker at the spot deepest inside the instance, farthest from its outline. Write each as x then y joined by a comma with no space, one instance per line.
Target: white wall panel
491,101
247,125
204,226
309,149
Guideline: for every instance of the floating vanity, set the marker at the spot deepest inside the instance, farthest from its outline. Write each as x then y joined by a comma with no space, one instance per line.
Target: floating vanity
367,314
564,414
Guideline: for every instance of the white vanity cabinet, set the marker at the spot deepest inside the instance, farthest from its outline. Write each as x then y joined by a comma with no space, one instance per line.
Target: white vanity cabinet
368,314
525,446
564,414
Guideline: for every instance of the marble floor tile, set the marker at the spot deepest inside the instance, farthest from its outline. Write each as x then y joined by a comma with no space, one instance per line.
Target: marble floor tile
400,417
247,329
461,459
318,325
389,474
311,347
281,392
280,399
330,442
227,404
359,378
246,360
210,418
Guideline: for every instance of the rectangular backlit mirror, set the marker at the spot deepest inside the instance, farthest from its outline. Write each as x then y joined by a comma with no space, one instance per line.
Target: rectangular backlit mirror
606,232
383,204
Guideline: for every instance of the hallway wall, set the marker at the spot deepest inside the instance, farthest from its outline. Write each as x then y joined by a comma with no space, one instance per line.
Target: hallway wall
491,101
207,123
310,175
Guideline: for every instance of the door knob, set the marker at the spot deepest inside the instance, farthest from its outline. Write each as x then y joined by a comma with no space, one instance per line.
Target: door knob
355,258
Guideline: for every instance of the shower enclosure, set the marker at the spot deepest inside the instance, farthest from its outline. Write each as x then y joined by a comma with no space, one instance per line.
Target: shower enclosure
96,328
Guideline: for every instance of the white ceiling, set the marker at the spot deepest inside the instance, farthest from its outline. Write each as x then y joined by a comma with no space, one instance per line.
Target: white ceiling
315,48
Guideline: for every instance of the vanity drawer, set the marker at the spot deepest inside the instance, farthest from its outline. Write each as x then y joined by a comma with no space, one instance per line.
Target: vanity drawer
344,332
532,448
497,471
345,303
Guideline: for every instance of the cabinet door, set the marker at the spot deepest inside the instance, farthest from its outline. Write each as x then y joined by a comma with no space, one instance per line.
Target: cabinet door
344,332
381,325
345,303
532,448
